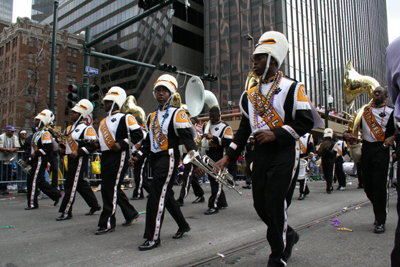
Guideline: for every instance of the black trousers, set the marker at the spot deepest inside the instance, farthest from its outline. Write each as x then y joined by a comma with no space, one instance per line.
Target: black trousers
395,257
75,182
303,188
140,176
275,170
36,181
54,169
217,198
328,168
341,177
359,174
249,173
188,179
113,169
375,171
161,195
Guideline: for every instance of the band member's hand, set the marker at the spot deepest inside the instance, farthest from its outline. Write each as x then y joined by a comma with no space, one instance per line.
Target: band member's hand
208,136
116,147
264,136
310,156
33,155
222,163
199,171
350,137
74,154
130,162
389,141
135,159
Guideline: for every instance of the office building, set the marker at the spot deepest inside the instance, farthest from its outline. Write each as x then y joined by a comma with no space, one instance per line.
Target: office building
6,10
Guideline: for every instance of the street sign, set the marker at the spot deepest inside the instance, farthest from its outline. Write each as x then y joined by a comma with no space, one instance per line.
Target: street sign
91,75
89,69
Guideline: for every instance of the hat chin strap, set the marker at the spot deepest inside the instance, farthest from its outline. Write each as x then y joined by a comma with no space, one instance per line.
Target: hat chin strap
112,108
266,66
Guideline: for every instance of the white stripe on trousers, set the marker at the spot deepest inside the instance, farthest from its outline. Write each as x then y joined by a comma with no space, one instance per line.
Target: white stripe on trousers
74,186
39,163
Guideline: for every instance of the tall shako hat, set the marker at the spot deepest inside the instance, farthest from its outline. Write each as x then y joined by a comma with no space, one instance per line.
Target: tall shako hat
168,81
116,94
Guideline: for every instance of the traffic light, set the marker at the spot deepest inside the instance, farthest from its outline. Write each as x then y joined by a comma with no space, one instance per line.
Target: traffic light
210,78
146,4
72,96
94,95
166,67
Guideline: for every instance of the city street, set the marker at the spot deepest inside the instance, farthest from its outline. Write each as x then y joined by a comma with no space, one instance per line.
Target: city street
235,235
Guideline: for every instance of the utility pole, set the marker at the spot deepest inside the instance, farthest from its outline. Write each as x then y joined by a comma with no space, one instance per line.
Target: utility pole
86,63
53,57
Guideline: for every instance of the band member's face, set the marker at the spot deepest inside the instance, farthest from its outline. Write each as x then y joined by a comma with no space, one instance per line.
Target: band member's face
214,117
73,115
259,63
162,94
379,95
37,121
108,105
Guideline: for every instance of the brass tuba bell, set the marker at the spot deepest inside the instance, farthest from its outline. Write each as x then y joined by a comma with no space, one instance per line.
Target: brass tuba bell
251,80
355,85
130,106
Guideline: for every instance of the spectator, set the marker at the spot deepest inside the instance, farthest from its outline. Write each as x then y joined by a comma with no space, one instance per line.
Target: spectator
8,146
20,174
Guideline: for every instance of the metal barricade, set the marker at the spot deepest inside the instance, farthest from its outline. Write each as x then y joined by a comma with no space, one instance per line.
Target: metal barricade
11,173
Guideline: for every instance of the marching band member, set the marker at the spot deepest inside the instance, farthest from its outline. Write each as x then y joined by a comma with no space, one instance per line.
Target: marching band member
219,137
115,147
306,143
41,148
340,148
328,157
166,126
277,111
78,157
377,129
189,178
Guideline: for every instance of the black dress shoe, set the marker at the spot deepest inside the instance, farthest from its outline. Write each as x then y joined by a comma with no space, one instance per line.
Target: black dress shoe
302,196
31,208
102,231
180,202
211,211
289,247
136,198
246,186
180,233
150,244
129,222
328,191
56,201
93,210
64,217
199,200
222,207
379,228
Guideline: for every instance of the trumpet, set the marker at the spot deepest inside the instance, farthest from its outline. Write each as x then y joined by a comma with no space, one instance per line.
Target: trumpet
212,169
59,134
25,167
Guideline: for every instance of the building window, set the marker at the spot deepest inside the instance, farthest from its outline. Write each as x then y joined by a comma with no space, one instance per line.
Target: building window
28,105
69,53
55,94
7,47
75,52
58,49
48,77
56,78
27,122
68,66
55,111
57,63
31,41
31,57
30,73
74,67
1,50
68,80
73,79
15,41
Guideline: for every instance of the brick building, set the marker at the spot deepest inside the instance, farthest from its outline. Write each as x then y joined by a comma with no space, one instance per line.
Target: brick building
25,52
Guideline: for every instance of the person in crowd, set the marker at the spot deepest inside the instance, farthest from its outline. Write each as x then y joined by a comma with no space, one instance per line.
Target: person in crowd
393,86
80,143
306,143
328,156
114,131
8,146
167,126
41,148
277,111
341,150
377,129
21,175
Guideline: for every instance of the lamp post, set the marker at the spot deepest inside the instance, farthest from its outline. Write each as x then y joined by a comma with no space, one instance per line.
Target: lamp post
248,37
326,105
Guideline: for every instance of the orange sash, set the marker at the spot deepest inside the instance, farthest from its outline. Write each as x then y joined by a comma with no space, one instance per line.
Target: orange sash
303,148
276,122
108,139
163,144
72,144
373,125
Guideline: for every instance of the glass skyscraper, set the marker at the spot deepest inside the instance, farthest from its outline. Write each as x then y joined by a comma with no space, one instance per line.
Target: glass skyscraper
323,35
6,9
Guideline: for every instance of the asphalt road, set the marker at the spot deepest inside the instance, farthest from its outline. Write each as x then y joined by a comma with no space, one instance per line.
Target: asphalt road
37,239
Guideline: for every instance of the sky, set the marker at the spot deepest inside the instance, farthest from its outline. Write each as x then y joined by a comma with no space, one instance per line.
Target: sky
22,8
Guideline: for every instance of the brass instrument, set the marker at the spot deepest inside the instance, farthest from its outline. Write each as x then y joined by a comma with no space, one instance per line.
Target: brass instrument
251,81
130,106
212,169
25,167
55,132
321,150
355,85
176,100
